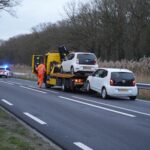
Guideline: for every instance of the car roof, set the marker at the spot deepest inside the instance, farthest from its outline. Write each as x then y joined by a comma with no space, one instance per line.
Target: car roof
116,70
82,53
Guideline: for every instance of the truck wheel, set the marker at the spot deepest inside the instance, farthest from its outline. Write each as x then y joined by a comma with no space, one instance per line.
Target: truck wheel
63,87
104,93
47,86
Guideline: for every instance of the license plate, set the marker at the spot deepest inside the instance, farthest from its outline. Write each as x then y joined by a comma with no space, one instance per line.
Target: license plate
123,90
86,67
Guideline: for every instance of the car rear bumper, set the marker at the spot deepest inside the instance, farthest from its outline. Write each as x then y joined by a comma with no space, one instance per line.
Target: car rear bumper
122,91
85,68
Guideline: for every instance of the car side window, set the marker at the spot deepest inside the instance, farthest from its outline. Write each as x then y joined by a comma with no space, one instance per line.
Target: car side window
103,73
96,73
71,56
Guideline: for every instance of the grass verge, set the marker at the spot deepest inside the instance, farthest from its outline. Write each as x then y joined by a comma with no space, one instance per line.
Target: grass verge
14,136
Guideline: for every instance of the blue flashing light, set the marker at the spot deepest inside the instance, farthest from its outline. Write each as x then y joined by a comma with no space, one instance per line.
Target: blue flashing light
5,66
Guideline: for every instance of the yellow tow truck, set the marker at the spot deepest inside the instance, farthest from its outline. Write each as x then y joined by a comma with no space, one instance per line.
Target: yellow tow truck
53,75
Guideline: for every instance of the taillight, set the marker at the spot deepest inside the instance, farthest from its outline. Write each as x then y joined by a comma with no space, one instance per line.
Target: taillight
112,82
133,83
77,81
95,61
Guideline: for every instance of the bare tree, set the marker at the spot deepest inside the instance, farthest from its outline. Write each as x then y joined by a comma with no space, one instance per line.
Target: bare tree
7,5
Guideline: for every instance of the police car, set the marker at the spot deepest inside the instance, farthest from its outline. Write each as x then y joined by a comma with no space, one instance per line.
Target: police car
5,71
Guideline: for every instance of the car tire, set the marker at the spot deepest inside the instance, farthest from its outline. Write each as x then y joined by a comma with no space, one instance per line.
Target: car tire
61,69
88,86
72,70
132,98
104,93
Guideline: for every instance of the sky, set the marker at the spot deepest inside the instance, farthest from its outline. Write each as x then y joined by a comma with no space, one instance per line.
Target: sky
29,14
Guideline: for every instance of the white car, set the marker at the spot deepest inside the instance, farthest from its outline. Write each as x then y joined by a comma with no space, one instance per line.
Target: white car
79,62
113,82
5,71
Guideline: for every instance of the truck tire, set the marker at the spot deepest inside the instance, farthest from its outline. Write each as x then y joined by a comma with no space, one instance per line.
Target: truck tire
64,87
47,86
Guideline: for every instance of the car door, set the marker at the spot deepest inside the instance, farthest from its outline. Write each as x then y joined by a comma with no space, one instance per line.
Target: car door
95,80
67,63
102,79
98,80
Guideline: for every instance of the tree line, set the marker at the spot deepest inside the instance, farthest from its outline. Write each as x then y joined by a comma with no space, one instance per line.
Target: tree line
112,29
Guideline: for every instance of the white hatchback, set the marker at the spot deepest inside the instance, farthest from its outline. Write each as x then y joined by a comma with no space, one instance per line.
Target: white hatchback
113,82
79,62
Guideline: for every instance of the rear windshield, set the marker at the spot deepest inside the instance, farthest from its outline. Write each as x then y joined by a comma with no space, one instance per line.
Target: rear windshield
86,59
122,78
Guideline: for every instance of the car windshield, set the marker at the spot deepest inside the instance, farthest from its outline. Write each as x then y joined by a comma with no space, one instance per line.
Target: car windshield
89,59
122,78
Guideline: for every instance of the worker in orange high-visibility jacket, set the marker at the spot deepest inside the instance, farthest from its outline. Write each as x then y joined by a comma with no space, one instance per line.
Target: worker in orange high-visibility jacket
40,74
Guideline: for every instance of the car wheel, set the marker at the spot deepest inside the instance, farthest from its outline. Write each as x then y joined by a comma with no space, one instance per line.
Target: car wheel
61,69
88,86
132,97
72,70
104,93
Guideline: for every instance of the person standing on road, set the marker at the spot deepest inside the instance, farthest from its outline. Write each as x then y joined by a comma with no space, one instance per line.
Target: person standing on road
40,73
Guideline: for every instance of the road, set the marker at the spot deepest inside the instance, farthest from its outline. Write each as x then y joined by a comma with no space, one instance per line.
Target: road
79,121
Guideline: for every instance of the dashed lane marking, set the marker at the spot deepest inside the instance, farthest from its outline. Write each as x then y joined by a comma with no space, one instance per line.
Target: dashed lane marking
82,146
35,118
7,102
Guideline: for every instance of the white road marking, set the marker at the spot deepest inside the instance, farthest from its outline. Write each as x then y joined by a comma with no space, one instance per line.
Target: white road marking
104,108
82,146
7,83
33,89
135,111
35,118
7,102
45,90
51,91
146,101
14,83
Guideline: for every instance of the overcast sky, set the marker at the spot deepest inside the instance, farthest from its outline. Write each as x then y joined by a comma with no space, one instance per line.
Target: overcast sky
29,14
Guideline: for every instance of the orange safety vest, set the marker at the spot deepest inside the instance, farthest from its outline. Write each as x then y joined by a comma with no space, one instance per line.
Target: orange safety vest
41,69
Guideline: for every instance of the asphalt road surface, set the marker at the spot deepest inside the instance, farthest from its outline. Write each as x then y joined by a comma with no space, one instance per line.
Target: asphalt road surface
79,121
